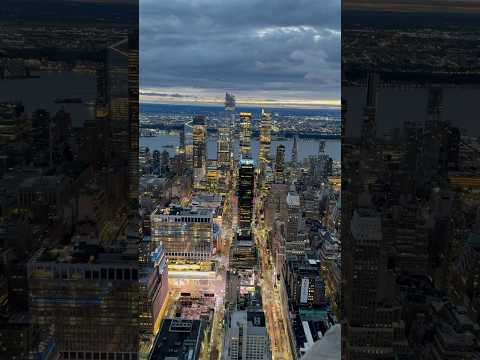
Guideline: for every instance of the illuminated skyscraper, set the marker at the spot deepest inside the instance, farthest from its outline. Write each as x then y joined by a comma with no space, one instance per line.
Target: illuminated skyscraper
245,134
293,219
153,279
224,142
133,114
230,122
223,146
182,138
230,109
265,138
245,196
181,156
188,142
199,149
91,297
279,164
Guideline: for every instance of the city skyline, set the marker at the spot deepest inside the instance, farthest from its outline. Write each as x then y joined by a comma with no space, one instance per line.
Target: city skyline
180,180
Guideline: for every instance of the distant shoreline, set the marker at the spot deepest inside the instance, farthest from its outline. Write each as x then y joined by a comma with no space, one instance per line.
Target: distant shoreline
255,106
255,134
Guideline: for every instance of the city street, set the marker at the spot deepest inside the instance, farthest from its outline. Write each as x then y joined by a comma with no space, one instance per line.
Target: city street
277,321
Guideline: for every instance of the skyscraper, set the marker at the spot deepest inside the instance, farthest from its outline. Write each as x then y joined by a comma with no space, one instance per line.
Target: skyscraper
199,149
294,151
90,294
320,165
182,139
245,134
279,164
230,120
230,109
265,138
369,126
368,296
223,146
181,156
133,126
245,196
293,220
153,279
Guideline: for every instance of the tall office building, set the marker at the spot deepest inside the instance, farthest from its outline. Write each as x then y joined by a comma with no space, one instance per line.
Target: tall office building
90,294
224,142
245,134
295,151
280,164
223,147
230,122
133,122
246,336
265,139
320,165
199,149
245,196
180,160
119,98
153,279
182,138
293,222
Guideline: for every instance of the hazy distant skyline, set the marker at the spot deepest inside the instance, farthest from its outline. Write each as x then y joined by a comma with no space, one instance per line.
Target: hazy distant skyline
433,6
272,52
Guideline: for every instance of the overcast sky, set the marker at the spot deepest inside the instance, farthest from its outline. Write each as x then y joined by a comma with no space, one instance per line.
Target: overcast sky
264,51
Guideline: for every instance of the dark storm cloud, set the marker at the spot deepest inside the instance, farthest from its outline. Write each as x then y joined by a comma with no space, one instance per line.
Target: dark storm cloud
277,45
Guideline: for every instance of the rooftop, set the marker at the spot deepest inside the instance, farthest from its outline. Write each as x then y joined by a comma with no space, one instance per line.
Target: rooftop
85,249
177,339
293,199
328,347
175,209
41,182
247,161
255,320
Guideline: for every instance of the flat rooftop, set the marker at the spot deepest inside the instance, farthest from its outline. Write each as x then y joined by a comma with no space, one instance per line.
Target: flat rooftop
87,252
178,339
183,211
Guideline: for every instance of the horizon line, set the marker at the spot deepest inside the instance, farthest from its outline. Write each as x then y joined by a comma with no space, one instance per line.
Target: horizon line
293,104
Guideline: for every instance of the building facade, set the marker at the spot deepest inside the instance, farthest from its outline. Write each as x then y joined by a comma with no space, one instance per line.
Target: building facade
246,336
199,149
245,134
90,295
186,233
